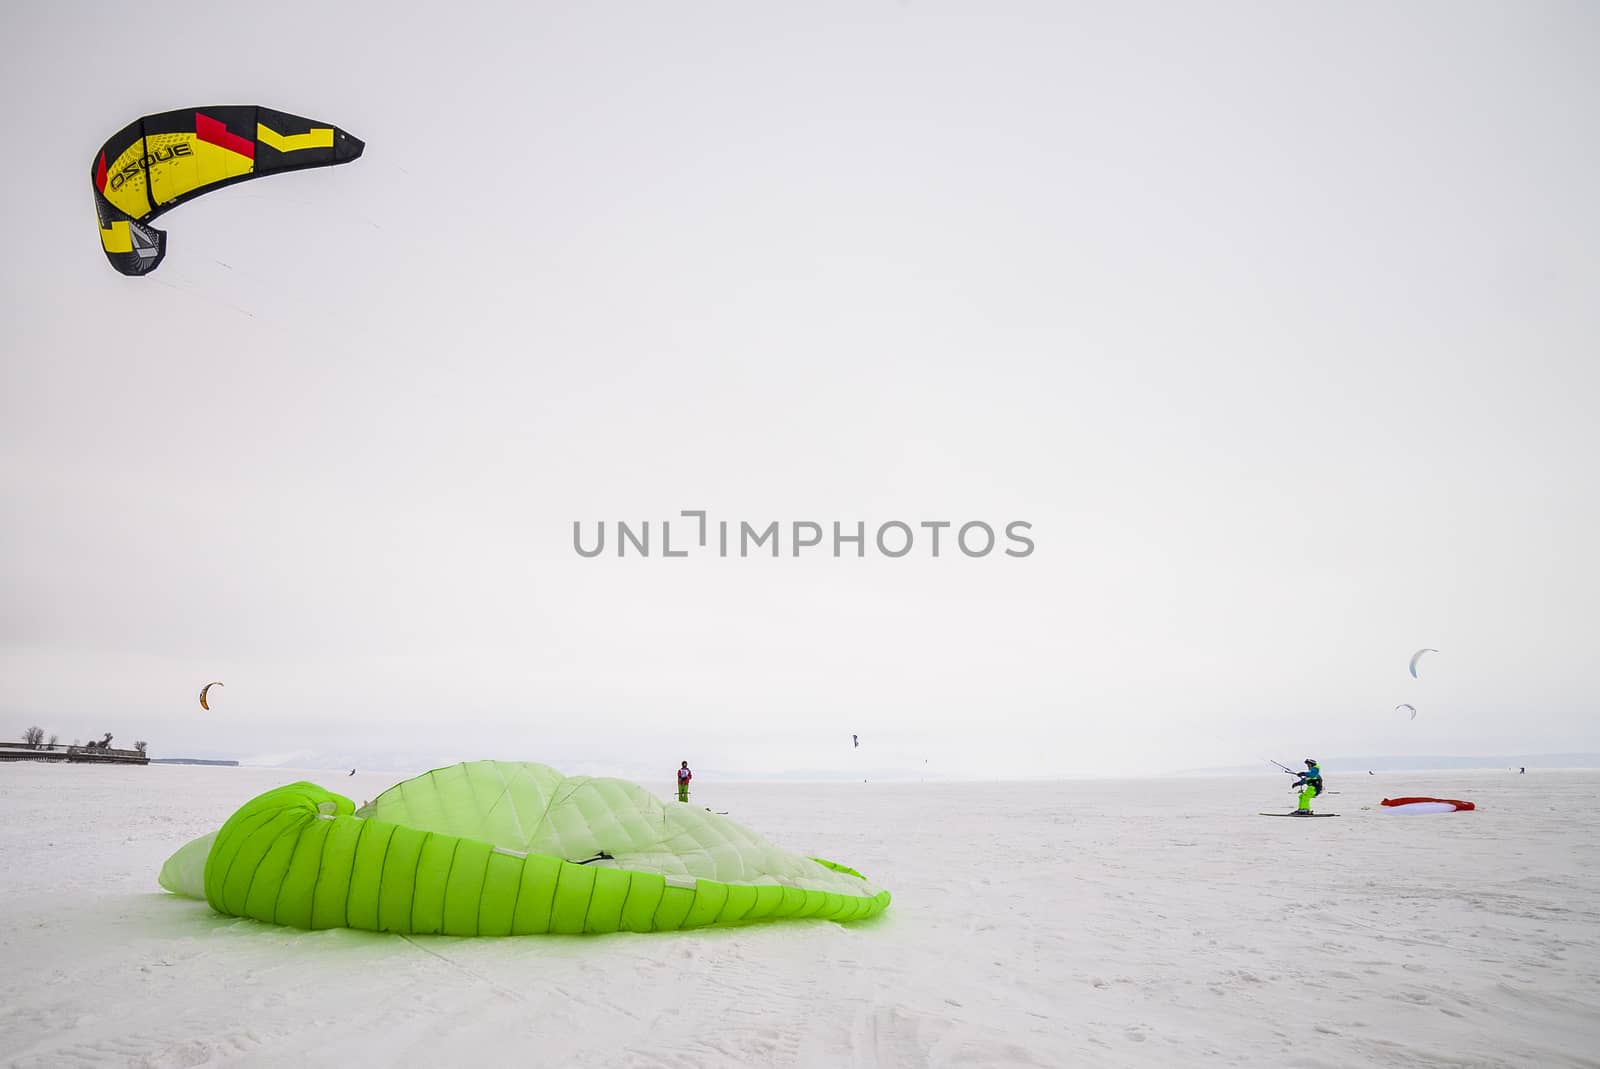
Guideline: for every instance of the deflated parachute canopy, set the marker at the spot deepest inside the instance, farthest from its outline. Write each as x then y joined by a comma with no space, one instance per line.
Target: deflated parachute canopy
1426,805
504,848
159,161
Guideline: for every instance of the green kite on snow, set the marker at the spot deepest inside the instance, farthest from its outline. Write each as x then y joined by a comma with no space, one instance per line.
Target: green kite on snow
504,848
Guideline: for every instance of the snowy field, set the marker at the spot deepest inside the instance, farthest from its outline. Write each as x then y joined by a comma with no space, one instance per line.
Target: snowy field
1150,923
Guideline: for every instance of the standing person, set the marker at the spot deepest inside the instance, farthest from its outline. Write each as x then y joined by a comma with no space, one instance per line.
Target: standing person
1310,784
684,776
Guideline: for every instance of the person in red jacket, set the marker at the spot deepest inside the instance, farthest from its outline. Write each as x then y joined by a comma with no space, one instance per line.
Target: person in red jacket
684,776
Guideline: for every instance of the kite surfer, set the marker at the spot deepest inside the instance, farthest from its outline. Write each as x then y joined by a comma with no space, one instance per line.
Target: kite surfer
1310,784
684,776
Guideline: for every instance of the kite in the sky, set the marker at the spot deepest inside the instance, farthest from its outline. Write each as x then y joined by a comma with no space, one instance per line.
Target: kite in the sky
1414,659
203,690
159,161
1413,709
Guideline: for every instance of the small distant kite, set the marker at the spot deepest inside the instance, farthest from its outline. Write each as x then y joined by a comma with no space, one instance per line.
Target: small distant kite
856,741
203,690
1414,658
1413,709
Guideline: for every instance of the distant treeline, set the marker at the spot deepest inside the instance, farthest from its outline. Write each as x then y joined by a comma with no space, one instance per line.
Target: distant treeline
191,761
34,739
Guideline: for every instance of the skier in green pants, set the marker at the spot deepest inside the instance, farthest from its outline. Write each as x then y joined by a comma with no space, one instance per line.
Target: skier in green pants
1310,784
684,776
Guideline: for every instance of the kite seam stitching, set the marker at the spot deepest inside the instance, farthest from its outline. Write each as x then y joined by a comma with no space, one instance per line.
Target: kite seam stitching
483,884
746,911
411,910
655,914
548,803
383,868
234,857
278,895
589,905
623,912
555,895
505,793
322,857
351,883
257,871
517,897
444,895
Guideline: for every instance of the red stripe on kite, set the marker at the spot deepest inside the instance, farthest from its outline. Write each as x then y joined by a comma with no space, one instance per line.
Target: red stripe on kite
210,130
100,173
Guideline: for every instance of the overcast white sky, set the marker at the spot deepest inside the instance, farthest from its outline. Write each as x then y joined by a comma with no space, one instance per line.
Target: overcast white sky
1276,321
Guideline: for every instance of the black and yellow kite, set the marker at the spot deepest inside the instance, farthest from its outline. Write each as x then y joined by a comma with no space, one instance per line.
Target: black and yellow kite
156,163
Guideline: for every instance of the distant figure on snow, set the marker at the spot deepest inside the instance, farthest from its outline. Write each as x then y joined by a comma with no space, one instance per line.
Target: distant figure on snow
1310,784
684,776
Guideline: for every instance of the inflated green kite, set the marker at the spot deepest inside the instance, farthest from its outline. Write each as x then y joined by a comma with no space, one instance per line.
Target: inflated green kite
504,848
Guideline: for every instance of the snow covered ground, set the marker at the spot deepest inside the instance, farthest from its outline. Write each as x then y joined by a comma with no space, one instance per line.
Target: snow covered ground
1098,924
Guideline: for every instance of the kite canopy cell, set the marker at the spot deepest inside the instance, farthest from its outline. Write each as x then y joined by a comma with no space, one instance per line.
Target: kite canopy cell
504,848
157,162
